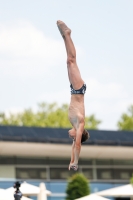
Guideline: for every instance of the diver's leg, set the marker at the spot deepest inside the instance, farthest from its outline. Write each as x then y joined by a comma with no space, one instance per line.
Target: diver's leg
73,70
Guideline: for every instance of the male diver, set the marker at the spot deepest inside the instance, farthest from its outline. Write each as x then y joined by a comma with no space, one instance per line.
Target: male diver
76,113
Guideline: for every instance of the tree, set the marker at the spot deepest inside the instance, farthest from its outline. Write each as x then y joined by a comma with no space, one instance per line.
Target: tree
47,115
91,122
78,186
126,121
131,180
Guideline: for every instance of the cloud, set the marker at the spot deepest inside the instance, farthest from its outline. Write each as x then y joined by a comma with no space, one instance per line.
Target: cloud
62,96
106,107
25,40
13,110
100,90
27,51
107,98
107,101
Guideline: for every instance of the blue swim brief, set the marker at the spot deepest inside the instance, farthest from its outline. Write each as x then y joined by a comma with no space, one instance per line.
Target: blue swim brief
79,91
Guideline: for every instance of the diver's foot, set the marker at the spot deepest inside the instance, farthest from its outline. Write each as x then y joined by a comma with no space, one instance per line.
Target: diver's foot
64,30
74,167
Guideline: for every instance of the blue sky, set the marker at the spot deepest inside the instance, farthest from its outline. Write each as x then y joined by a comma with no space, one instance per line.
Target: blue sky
33,58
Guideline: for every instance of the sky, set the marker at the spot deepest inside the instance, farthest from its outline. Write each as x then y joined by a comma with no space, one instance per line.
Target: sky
33,58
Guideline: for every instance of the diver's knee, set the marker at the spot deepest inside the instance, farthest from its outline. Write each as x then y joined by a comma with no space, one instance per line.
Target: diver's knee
71,60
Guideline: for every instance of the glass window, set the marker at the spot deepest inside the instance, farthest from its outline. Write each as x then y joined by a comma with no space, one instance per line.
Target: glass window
105,174
7,160
85,162
103,162
42,174
60,173
31,173
59,161
123,162
87,173
123,174
31,161
23,174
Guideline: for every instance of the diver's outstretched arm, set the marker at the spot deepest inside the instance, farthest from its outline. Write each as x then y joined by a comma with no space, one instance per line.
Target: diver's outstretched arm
77,147
72,154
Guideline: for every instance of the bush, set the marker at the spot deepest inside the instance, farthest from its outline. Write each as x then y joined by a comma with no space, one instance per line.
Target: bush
77,187
131,180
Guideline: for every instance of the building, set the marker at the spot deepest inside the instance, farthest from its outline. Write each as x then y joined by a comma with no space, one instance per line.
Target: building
43,155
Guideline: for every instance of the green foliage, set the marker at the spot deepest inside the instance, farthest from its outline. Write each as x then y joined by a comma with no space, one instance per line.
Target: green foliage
78,186
47,115
91,122
131,180
126,121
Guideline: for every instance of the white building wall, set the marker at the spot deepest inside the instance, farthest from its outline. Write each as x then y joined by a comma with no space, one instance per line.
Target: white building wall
7,171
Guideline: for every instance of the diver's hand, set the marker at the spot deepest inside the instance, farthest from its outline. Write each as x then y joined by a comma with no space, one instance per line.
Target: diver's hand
73,166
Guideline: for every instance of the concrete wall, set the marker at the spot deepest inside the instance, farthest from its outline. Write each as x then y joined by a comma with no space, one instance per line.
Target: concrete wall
7,171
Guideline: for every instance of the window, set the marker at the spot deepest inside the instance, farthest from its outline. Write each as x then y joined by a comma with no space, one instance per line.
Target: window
103,162
105,174
6,160
31,173
88,173
60,173
58,161
85,162
124,174
31,161
123,162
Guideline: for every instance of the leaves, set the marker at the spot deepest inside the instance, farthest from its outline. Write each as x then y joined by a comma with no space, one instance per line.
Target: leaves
47,115
91,122
77,187
131,180
126,121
